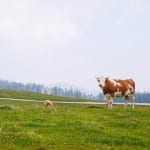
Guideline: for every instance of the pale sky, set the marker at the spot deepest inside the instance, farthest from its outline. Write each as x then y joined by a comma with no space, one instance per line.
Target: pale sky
72,41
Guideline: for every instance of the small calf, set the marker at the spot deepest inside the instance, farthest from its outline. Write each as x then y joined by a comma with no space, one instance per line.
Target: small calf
48,103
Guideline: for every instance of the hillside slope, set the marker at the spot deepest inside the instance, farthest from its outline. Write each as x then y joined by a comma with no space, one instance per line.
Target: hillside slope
4,93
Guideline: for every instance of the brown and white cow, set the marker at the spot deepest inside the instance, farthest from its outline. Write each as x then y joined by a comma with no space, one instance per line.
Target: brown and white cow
117,88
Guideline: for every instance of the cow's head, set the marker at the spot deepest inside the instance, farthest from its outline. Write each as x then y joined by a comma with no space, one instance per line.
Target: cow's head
101,81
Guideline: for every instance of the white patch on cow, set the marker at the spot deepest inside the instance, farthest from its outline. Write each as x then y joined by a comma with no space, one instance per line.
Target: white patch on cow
129,90
118,93
114,82
131,87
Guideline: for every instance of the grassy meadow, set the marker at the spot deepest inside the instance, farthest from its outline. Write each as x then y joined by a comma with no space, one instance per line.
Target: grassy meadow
30,126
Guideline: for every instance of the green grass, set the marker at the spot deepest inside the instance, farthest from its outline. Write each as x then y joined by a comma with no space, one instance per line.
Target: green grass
30,126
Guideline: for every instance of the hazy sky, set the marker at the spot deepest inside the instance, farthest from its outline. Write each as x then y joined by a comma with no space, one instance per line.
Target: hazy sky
72,41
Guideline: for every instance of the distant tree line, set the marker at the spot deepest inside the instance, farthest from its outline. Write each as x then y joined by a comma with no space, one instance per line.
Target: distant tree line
39,88
58,91
24,87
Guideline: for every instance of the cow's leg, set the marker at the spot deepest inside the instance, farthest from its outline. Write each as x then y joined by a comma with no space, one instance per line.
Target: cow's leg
109,104
109,100
133,100
106,99
126,101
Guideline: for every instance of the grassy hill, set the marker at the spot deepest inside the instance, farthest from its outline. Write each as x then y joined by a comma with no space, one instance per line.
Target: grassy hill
30,126
5,93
